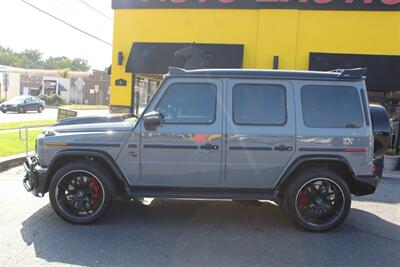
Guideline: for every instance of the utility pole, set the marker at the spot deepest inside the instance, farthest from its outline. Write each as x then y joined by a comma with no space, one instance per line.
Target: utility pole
5,82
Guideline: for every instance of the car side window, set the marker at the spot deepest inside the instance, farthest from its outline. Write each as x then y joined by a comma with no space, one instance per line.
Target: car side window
331,106
189,103
259,104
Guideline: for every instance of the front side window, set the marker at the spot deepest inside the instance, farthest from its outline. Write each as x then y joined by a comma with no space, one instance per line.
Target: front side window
331,106
259,104
191,103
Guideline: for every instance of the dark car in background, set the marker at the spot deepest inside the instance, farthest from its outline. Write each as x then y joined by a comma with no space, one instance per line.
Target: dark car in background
22,104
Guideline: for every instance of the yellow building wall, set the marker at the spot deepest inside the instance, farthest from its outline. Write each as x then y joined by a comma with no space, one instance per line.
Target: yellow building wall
289,34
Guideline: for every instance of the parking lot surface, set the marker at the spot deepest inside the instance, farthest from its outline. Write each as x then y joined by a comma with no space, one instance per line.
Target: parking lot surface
195,233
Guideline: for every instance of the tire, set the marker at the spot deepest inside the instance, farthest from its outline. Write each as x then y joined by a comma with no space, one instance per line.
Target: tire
40,109
4,111
317,200
74,204
21,110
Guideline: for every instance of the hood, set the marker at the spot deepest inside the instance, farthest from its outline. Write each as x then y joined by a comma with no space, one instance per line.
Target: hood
8,103
126,125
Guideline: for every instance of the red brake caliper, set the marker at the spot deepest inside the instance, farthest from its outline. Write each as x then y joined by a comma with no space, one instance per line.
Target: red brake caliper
96,192
302,199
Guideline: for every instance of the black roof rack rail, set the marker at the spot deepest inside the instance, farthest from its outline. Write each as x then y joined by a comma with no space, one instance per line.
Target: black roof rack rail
356,73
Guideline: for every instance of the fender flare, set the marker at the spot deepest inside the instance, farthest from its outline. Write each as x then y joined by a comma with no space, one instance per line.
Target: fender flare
310,158
91,153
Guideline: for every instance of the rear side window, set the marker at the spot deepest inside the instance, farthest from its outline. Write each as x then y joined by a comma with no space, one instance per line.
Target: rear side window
189,103
259,104
327,106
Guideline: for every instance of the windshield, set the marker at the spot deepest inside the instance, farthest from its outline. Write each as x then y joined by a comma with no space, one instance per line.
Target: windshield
16,100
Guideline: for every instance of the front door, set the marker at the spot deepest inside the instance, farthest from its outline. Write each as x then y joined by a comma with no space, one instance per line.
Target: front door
29,104
186,149
260,131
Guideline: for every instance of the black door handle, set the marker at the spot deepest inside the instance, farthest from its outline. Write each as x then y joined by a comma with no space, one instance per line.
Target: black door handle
283,148
209,146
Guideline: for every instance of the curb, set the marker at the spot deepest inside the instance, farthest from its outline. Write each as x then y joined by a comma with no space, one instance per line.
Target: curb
12,161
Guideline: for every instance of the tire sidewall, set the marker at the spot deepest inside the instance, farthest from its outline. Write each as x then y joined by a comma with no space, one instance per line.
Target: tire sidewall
305,177
102,176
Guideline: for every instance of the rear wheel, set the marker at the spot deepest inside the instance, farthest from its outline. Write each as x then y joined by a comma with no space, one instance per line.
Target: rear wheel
81,193
21,110
4,111
318,200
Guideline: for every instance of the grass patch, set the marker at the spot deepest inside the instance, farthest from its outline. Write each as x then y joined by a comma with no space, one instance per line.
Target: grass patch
17,124
11,145
84,107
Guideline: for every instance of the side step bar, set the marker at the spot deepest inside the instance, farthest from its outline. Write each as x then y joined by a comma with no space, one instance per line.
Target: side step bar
203,193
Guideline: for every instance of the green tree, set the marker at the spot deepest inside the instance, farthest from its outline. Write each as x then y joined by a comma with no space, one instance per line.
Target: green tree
31,59
80,64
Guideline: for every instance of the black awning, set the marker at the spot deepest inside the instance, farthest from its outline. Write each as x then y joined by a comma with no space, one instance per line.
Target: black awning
155,58
383,71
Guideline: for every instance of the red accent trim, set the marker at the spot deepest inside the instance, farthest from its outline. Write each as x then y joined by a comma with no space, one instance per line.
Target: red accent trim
355,149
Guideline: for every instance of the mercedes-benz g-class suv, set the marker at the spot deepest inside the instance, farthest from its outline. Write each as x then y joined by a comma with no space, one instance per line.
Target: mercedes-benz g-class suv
302,139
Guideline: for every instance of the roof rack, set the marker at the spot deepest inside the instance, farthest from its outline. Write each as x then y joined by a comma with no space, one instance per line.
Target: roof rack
340,74
356,73
175,70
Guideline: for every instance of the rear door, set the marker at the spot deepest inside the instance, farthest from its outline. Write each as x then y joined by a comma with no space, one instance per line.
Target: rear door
186,149
260,131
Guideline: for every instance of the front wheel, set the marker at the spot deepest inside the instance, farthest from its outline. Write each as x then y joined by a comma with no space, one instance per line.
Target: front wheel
318,200
81,192
40,109
21,110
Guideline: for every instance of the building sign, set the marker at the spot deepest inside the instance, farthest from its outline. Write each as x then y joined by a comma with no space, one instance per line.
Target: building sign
383,5
50,85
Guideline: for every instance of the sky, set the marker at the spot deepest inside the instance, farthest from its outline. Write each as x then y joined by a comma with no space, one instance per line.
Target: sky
22,27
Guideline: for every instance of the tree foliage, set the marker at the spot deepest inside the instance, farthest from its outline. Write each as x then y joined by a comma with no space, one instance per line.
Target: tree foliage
33,59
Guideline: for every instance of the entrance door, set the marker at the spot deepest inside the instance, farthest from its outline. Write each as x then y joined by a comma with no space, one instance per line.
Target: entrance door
260,131
186,149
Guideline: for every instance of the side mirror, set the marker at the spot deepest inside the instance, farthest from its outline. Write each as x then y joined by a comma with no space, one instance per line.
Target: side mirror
152,120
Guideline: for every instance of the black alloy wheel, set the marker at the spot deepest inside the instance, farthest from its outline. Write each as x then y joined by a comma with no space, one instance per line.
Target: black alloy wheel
81,193
318,200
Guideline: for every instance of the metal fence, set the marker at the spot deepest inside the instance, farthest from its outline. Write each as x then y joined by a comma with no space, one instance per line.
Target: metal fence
19,140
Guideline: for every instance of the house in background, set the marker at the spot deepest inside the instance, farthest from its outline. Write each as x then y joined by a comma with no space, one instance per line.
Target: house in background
9,82
73,86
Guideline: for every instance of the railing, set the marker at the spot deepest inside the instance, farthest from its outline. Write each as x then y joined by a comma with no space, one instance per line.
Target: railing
24,128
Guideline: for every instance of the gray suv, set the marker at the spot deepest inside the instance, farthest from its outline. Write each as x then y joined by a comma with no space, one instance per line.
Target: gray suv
302,139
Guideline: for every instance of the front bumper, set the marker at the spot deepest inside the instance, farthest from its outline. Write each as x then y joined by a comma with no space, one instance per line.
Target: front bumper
9,108
365,185
35,177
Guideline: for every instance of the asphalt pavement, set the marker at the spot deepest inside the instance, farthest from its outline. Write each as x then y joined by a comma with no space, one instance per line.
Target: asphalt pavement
195,233
47,114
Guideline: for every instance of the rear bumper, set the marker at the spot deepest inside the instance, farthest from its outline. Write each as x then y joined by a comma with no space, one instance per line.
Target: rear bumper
365,184
35,177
